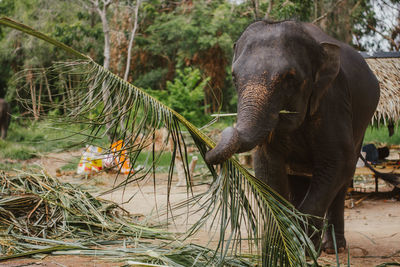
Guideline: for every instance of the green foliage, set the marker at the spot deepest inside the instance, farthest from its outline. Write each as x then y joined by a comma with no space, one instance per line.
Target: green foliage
381,135
171,35
152,79
296,9
185,95
68,22
27,139
188,34
16,151
80,36
71,165
6,165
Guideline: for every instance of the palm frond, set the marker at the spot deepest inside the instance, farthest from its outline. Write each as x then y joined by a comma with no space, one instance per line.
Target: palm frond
239,204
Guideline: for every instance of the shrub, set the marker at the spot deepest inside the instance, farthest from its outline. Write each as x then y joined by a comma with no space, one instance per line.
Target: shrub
186,95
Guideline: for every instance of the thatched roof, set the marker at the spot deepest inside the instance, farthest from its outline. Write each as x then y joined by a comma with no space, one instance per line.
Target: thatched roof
386,66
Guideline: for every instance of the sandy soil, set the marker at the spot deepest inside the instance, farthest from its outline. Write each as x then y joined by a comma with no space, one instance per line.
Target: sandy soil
372,233
372,225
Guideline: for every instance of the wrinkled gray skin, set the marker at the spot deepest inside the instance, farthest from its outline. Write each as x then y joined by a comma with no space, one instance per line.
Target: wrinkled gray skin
308,156
4,117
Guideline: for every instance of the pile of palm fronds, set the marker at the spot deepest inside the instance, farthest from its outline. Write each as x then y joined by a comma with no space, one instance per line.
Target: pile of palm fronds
40,205
39,214
133,252
37,205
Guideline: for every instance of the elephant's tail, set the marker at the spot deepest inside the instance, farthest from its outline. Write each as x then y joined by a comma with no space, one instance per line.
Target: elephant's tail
392,178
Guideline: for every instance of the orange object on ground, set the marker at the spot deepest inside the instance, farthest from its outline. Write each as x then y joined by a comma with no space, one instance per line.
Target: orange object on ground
121,158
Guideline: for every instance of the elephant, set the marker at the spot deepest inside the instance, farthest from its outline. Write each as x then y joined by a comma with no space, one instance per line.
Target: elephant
5,117
305,100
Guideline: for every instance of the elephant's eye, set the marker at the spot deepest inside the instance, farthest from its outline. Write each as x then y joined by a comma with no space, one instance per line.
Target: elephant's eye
292,81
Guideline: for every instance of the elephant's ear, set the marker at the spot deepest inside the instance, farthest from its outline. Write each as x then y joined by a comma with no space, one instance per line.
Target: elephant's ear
326,74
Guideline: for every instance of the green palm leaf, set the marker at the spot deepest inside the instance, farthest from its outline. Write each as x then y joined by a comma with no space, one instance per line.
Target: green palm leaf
243,207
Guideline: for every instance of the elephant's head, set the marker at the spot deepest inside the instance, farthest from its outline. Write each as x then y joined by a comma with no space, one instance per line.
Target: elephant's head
277,67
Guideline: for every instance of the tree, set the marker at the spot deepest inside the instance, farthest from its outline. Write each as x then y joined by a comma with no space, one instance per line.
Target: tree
167,36
186,90
381,27
199,33
67,24
132,37
101,7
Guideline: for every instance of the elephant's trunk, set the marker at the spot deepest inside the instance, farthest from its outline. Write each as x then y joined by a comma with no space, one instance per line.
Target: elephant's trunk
257,116
229,145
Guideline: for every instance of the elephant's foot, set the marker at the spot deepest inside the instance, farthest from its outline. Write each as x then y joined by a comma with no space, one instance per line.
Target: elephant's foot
328,245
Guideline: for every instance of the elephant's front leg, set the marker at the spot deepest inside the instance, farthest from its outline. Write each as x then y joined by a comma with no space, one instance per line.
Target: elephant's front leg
327,191
335,213
335,216
269,166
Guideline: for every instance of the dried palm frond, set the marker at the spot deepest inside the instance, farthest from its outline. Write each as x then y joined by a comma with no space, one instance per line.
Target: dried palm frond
37,205
387,70
38,214
131,251
241,206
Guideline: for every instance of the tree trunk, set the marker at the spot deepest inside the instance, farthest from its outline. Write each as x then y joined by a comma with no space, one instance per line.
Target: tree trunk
128,58
256,8
48,87
106,53
32,88
102,11
39,96
269,10
106,30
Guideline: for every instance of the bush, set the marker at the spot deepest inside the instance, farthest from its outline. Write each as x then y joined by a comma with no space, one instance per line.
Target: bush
186,95
28,139
381,135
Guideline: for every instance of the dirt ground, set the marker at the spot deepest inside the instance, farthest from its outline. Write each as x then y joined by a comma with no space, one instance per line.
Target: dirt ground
372,224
